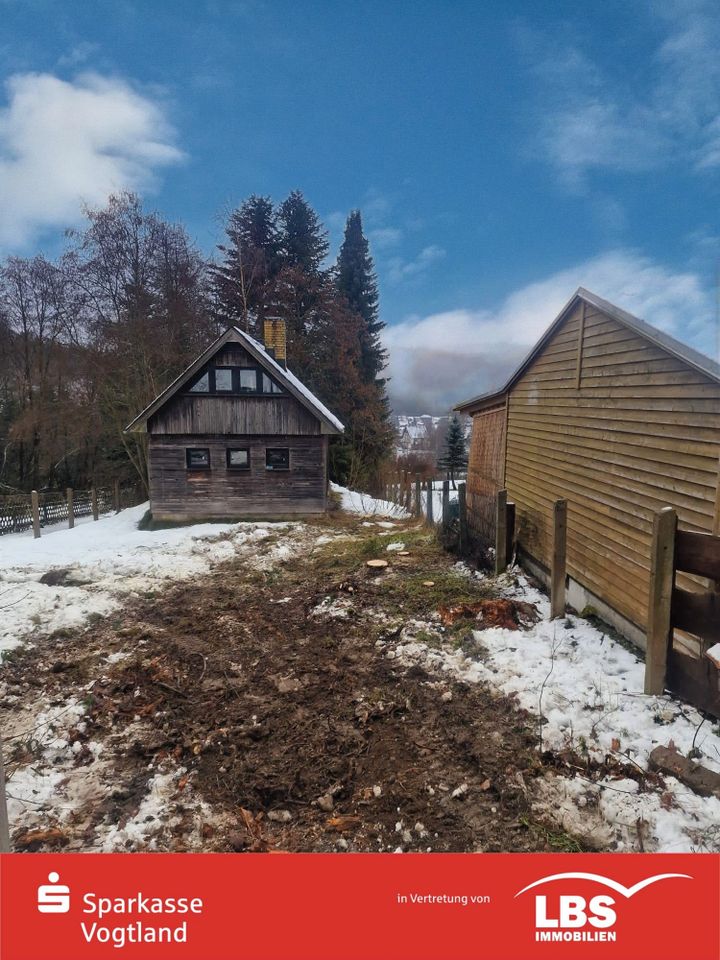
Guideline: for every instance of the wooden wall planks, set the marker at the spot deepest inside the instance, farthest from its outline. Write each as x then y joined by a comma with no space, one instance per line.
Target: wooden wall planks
179,493
641,432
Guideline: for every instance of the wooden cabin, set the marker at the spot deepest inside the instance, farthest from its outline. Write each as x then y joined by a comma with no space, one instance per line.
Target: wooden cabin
237,435
620,420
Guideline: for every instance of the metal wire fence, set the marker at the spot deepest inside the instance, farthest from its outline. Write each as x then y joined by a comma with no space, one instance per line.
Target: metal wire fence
16,510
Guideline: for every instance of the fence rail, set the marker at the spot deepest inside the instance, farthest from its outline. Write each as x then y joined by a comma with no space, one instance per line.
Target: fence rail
17,512
696,612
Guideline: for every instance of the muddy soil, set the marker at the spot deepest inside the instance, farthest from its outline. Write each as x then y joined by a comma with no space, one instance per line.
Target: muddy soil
273,690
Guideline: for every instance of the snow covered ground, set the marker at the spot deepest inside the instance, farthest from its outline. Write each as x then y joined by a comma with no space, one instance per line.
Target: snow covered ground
367,506
587,688
93,567
584,688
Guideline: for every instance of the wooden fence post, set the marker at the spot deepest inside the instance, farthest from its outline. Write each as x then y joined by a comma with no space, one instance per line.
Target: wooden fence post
4,820
408,492
35,505
501,559
510,538
418,496
662,575
446,504
71,508
116,496
559,559
462,510
429,505
94,501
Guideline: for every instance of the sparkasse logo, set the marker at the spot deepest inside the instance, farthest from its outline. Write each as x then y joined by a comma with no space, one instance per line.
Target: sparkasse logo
570,918
53,897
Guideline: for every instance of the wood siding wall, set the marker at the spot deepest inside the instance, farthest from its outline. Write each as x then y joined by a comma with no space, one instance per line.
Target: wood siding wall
486,471
177,493
640,432
233,355
197,414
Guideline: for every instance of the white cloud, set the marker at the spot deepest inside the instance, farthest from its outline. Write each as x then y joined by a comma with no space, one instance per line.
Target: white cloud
384,237
439,360
399,269
64,143
668,112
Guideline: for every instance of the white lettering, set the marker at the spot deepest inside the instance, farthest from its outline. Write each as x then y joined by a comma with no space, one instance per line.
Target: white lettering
541,917
572,912
604,916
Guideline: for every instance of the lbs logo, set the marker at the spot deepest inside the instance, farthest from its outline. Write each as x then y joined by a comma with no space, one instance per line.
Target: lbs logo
572,918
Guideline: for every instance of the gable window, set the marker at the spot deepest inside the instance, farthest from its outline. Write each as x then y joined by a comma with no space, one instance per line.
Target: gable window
197,458
277,458
238,458
248,380
224,379
234,380
202,384
269,386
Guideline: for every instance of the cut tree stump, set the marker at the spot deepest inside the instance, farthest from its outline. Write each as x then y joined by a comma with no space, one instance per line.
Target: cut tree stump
376,567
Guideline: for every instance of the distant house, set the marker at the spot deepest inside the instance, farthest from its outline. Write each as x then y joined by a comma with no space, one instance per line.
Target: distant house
237,435
423,436
620,420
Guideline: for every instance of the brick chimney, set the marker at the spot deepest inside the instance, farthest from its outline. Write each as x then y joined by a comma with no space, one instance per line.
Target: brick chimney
275,339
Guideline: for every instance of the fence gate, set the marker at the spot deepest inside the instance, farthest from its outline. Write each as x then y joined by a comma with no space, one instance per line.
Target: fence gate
692,609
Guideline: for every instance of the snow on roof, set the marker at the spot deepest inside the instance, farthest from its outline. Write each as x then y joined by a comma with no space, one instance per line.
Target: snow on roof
285,376
284,373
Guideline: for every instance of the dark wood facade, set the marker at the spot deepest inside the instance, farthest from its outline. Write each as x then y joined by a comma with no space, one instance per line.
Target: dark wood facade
237,436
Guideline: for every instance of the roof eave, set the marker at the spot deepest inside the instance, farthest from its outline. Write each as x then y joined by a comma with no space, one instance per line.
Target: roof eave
330,425
681,351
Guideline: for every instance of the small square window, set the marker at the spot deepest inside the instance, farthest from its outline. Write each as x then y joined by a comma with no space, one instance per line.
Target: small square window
197,458
223,379
277,458
248,380
202,384
238,458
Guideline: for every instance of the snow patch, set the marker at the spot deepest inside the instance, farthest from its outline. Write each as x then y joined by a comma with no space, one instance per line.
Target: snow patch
367,506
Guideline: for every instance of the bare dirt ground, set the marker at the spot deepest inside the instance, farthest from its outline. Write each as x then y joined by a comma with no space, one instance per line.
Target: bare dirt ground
257,708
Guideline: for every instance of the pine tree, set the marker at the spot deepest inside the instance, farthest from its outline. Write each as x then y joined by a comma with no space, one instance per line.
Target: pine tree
356,279
303,241
455,456
250,261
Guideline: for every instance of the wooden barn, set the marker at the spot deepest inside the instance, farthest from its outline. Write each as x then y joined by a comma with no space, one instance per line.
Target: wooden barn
618,419
237,435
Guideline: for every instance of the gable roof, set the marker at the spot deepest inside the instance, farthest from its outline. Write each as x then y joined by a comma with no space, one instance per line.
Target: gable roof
670,345
285,378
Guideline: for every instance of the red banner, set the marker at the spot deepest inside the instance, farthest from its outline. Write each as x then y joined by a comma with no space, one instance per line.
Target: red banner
363,906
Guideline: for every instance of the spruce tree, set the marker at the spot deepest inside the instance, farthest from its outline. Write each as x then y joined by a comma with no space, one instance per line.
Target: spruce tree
356,279
455,456
303,241
250,261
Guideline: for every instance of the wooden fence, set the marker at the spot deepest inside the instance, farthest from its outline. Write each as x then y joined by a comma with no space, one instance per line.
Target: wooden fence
695,612
678,614
33,511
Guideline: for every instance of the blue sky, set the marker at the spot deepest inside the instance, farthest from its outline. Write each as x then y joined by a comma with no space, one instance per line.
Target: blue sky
502,153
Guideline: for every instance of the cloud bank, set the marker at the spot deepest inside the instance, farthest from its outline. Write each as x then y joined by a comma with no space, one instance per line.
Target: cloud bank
592,119
65,143
441,359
